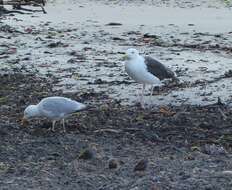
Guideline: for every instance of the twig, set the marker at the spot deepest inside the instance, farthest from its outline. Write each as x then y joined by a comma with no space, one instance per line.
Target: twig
5,11
18,4
132,129
219,102
107,130
222,113
29,10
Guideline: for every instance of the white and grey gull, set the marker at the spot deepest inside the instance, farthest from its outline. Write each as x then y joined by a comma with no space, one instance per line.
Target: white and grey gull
54,108
146,70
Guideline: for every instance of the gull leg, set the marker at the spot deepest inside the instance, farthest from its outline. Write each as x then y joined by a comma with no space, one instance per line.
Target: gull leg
53,125
152,88
158,90
139,94
63,124
141,99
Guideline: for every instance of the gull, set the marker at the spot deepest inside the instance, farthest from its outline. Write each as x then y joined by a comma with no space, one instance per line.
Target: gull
54,108
146,70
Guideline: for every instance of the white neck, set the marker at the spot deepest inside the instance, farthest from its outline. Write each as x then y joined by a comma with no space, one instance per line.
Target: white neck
134,59
34,111
136,56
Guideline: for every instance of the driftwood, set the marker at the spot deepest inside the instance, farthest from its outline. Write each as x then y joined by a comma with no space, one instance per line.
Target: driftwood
17,4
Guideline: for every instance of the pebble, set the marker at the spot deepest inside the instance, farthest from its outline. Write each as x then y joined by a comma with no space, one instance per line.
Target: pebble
141,165
113,163
86,154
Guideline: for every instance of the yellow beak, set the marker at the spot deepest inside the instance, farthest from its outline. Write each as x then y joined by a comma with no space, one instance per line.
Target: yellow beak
125,57
24,122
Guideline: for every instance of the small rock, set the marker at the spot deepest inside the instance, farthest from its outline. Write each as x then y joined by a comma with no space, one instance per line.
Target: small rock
56,62
213,149
55,44
86,154
98,81
147,35
117,39
133,33
28,30
25,58
228,74
72,60
47,52
3,167
114,24
141,165
113,163
73,53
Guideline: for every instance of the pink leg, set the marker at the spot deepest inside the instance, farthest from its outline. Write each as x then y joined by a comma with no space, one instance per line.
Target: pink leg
141,98
53,125
152,88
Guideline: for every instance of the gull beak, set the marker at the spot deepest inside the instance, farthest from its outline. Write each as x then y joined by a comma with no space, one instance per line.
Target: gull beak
125,57
24,122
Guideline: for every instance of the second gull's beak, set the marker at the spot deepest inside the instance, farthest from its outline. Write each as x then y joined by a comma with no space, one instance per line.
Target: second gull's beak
24,122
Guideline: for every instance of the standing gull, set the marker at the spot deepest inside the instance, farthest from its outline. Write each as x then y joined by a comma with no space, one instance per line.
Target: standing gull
54,108
146,70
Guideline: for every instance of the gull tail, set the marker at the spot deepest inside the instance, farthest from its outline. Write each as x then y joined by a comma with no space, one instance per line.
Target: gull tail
172,75
175,79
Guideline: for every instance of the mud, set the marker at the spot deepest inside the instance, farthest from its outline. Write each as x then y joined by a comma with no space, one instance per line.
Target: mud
187,147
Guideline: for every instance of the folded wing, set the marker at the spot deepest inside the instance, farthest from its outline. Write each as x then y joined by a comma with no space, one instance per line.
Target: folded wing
158,69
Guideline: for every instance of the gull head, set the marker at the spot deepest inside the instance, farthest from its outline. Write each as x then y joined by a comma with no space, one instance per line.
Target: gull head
81,106
30,112
131,54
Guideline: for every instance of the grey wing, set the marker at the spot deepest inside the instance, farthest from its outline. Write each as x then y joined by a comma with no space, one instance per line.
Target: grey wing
57,106
158,69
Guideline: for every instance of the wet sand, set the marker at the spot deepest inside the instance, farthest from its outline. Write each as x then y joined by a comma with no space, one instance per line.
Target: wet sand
193,42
